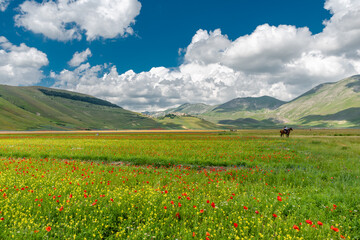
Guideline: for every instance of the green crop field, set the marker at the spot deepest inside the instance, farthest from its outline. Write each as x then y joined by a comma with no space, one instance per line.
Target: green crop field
173,185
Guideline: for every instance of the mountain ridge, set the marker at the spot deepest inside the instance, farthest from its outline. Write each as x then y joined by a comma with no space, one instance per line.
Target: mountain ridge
334,105
321,106
28,108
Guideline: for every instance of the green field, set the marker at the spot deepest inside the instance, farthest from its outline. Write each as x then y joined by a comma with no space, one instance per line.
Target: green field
172,185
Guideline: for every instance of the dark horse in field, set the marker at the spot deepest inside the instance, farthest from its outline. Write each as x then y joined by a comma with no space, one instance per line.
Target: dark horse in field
287,133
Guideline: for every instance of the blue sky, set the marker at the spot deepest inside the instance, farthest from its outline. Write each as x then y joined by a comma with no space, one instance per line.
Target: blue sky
171,52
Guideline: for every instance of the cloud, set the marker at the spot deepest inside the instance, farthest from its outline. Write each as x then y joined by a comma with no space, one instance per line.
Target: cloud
4,4
79,58
65,20
161,88
20,65
279,61
342,32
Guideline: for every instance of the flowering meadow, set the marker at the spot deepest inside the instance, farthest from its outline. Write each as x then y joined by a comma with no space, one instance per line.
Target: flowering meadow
219,185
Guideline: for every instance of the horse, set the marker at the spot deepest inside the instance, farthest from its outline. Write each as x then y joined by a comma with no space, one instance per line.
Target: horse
282,132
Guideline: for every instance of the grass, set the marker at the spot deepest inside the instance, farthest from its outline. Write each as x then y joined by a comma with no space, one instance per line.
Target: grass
244,185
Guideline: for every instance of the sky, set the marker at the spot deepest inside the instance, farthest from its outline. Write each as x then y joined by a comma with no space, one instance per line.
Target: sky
152,55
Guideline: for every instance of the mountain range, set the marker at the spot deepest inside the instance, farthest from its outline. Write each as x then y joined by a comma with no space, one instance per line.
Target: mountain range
329,105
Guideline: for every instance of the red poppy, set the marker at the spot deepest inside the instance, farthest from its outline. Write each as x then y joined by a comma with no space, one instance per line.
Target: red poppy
236,225
165,207
274,215
2,219
208,201
335,229
201,210
343,237
179,204
309,222
245,208
257,212
319,223
194,234
296,227
213,204
207,234
279,198
48,228
62,208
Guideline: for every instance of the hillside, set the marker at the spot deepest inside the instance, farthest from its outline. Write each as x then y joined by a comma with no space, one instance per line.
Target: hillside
187,108
327,105
249,104
187,122
33,108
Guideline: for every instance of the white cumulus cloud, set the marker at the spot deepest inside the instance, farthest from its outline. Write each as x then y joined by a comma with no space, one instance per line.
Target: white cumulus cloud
20,65
65,20
79,57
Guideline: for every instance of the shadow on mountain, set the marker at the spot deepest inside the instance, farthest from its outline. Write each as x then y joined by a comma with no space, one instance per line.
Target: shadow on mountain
355,85
250,123
350,115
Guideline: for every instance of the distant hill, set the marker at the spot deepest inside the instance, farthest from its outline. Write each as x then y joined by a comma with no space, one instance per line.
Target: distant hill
193,109
187,108
34,108
187,122
327,105
250,104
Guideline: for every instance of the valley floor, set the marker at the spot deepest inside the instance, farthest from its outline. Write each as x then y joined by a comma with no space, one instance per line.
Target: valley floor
250,184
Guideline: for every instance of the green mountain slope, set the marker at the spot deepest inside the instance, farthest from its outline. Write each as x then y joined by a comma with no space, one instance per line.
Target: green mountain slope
187,122
30,108
193,109
187,108
250,104
327,105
